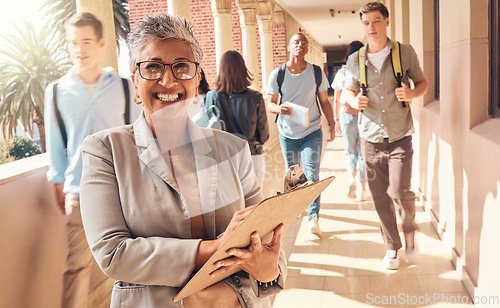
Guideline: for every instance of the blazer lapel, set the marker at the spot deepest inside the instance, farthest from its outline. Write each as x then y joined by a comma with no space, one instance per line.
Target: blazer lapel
206,157
149,152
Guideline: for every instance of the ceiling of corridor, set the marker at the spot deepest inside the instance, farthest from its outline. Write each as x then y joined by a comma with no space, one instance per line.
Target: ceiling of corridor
315,17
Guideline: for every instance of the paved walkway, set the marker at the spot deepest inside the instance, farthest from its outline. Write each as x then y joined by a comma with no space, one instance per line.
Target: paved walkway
343,268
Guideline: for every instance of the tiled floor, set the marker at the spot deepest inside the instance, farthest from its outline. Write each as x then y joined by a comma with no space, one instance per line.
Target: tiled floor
343,267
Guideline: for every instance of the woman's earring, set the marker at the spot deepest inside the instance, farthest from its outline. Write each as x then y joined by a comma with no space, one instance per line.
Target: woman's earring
137,100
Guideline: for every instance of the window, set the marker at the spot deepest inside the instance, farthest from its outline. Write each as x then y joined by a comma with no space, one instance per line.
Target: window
436,49
494,38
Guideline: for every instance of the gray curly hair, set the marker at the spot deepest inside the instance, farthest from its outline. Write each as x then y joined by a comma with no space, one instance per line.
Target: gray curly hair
159,27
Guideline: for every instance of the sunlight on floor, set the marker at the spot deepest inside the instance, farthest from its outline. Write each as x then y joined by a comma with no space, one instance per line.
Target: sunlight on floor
343,267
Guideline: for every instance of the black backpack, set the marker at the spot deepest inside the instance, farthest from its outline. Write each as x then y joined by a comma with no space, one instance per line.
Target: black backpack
60,121
318,77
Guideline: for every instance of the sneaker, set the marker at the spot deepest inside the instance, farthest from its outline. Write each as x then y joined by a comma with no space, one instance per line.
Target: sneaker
412,252
362,196
314,226
352,190
391,260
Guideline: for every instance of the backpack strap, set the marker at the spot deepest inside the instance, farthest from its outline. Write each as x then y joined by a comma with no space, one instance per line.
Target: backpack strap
280,78
60,122
396,66
362,70
126,115
318,78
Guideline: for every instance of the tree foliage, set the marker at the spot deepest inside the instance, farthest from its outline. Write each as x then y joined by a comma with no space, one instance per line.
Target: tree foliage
29,61
58,11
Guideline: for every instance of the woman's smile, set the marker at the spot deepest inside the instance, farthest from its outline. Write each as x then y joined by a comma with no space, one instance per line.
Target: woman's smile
167,97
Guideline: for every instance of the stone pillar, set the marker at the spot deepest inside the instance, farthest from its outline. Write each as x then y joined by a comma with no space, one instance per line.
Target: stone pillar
265,23
181,8
103,10
247,9
221,10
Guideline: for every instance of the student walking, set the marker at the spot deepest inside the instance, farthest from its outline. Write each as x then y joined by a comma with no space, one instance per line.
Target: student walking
87,99
301,83
386,126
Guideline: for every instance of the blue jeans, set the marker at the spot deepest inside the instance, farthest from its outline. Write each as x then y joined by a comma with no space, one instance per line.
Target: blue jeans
349,127
309,149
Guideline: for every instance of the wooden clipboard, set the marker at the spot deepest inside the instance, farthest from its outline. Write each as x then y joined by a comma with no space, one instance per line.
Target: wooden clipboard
272,211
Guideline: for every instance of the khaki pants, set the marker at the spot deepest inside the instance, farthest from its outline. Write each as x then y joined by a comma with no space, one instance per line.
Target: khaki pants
79,259
388,167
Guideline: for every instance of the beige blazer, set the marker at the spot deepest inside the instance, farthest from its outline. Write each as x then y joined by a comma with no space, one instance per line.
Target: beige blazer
137,223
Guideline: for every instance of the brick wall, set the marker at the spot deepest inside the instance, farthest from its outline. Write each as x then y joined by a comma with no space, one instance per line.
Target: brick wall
203,21
279,44
201,12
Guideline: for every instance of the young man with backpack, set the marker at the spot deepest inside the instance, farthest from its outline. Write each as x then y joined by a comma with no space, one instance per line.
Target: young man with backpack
87,99
380,90
304,84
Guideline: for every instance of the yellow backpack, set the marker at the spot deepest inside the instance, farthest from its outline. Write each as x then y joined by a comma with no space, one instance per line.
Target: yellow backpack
396,68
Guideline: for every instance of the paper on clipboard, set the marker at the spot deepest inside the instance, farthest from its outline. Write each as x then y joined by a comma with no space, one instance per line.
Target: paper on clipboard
300,114
270,212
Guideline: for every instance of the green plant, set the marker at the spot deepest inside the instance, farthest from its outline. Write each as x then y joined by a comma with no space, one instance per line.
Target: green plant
23,147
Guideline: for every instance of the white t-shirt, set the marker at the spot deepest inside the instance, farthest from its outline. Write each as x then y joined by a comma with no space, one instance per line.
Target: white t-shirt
378,58
339,82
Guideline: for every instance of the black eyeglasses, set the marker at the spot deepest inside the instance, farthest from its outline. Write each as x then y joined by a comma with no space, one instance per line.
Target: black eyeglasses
153,70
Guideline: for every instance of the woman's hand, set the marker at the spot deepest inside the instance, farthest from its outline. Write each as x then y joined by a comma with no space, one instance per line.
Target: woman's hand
235,222
209,247
338,130
259,260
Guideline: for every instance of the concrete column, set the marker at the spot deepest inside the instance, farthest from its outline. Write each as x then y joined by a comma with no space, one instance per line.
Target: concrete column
247,9
391,31
103,10
181,8
402,21
221,10
265,23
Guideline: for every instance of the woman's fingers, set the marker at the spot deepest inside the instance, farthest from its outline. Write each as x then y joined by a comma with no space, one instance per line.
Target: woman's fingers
255,241
226,264
277,234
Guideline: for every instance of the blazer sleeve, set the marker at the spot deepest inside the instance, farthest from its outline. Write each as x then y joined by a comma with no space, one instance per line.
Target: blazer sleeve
151,260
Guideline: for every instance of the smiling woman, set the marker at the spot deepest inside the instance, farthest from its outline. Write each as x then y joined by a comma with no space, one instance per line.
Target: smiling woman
159,197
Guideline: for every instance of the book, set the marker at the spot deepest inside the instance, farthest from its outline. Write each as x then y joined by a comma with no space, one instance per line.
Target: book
268,214
300,114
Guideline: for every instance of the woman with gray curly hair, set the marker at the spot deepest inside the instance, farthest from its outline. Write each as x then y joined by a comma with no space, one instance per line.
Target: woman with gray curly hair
160,196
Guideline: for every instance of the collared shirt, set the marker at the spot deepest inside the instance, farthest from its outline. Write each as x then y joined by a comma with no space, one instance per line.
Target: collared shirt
83,114
301,90
384,114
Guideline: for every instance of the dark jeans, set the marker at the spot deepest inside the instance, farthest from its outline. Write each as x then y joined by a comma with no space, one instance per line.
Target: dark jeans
388,167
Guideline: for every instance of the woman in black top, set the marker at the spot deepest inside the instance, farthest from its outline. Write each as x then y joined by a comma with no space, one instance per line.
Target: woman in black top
242,109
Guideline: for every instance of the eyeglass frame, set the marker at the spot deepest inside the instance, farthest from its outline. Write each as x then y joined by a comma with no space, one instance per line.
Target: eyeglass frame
138,64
